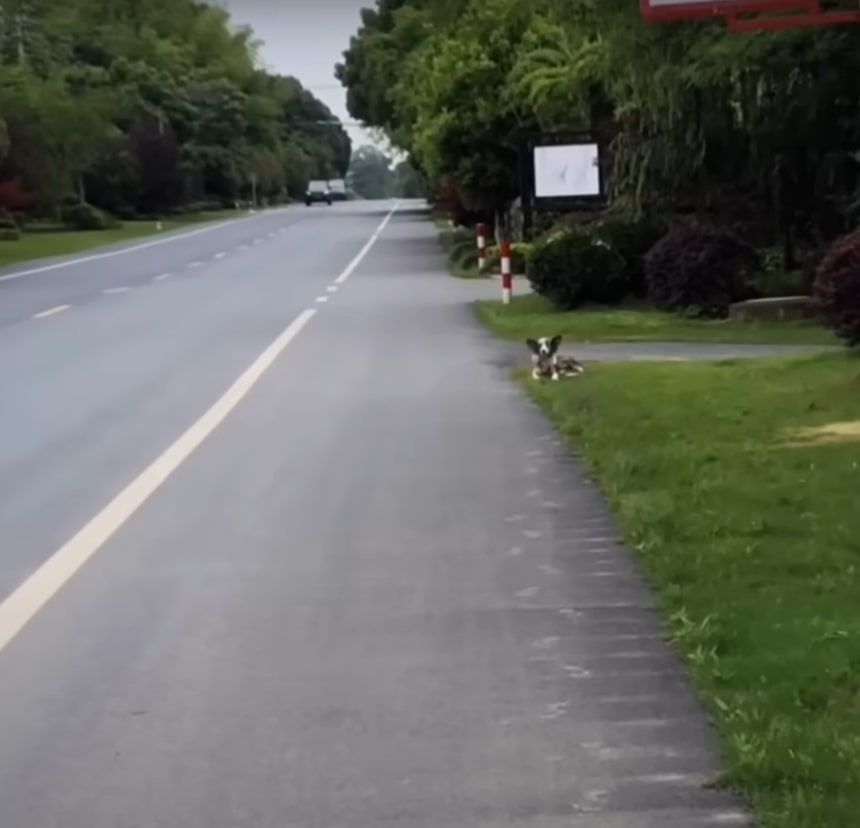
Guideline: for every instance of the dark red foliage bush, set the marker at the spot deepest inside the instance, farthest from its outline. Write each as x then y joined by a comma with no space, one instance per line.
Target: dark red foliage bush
13,197
701,269
837,288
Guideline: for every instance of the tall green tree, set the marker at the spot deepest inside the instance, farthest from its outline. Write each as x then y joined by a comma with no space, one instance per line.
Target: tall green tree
370,175
141,106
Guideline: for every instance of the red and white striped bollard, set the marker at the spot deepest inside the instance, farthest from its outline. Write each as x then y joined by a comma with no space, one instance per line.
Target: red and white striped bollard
507,279
481,236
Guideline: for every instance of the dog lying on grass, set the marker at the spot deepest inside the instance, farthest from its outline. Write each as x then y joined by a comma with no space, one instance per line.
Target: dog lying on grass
547,362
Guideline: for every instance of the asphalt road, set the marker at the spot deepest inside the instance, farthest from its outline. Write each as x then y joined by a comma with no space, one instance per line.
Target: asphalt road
365,587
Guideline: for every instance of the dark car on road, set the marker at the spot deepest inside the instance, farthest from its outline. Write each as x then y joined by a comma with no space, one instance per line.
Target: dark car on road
317,192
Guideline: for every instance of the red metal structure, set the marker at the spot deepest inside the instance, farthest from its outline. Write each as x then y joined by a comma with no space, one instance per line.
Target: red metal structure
754,15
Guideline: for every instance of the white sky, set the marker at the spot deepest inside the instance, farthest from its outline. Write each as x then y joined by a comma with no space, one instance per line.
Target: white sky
306,38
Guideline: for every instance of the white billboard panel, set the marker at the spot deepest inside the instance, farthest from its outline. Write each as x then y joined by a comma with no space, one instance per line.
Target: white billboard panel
567,170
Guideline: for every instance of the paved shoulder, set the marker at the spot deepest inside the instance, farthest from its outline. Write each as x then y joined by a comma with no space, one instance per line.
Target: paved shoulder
379,594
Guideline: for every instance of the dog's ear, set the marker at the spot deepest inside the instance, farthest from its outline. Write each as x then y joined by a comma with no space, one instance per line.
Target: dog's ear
555,342
533,346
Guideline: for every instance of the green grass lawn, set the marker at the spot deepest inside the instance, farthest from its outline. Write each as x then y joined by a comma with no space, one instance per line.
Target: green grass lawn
532,315
749,530
44,243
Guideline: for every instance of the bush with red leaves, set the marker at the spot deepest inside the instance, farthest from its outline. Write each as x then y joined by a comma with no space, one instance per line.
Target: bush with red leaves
700,269
13,197
837,288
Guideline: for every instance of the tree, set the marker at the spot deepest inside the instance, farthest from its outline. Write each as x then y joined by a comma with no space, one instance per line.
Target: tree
141,106
408,182
760,131
370,175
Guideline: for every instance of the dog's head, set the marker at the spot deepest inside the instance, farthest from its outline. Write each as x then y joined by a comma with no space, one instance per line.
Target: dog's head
545,348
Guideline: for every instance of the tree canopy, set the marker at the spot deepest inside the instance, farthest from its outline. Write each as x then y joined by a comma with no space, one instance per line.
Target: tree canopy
141,107
373,175
762,129
370,175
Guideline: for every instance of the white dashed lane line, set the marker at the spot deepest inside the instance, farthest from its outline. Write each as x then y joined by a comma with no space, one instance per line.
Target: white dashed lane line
332,288
51,311
161,277
220,255
116,290
195,264
321,299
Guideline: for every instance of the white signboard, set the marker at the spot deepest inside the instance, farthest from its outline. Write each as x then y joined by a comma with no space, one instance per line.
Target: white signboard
567,170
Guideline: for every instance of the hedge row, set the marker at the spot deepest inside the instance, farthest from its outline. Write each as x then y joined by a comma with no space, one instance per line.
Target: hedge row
698,270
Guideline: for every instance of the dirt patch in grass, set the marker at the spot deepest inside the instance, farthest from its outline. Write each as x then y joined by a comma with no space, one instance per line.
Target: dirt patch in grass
848,432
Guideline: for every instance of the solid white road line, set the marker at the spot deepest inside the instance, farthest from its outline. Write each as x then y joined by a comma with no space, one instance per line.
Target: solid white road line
35,592
363,252
19,608
133,249
51,311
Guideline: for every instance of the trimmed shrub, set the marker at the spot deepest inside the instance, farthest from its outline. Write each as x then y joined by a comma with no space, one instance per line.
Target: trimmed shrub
837,288
86,217
13,197
632,240
22,219
700,269
9,234
572,266
461,248
7,221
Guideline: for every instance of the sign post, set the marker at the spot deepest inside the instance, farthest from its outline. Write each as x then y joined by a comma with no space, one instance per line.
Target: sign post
507,276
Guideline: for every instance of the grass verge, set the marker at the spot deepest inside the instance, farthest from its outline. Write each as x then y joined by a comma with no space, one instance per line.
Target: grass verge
749,530
533,315
43,244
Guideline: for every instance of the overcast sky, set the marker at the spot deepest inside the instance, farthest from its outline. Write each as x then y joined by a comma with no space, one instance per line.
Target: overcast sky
306,38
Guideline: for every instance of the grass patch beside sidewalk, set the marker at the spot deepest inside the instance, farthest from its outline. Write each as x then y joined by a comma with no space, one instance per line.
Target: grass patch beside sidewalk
532,315
737,483
44,244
